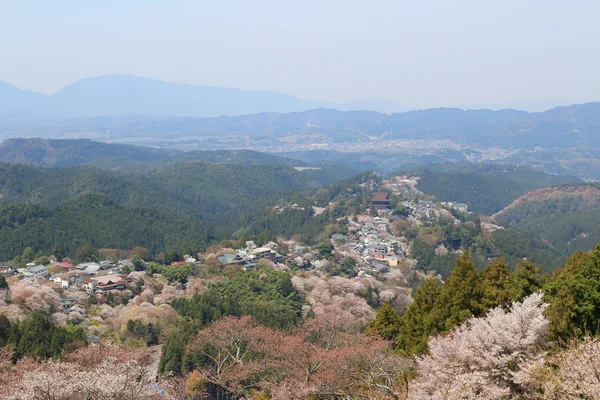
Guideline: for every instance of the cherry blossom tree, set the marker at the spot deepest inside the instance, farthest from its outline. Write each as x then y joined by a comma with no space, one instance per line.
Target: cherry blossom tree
35,296
571,374
95,372
326,356
480,358
236,348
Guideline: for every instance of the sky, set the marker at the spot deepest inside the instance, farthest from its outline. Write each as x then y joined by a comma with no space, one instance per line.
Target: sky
419,54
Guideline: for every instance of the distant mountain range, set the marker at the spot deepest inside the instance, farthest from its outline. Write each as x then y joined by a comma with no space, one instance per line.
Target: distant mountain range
559,126
117,95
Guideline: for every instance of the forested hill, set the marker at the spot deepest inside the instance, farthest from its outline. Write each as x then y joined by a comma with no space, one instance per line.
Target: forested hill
140,159
245,157
72,152
485,188
96,220
217,193
566,216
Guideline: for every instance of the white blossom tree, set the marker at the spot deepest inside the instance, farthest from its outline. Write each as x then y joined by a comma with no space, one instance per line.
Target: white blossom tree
480,358
574,373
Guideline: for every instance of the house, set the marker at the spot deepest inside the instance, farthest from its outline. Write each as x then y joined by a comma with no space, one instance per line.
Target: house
460,207
381,268
392,246
178,263
85,266
255,255
66,280
35,271
336,237
105,264
380,249
362,217
6,270
104,283
77,308
91,269
65,266
125,263
232,258
391,260
380,201
67,302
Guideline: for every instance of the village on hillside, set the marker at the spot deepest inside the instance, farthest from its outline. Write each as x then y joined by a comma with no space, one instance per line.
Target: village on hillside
371,247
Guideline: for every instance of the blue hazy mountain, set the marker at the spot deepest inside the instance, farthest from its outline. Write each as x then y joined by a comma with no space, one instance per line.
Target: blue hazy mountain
125,94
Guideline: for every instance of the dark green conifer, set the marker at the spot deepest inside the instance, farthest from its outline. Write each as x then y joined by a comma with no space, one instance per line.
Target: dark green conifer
418,322
494,282
460,298
386,323
573,295
524,281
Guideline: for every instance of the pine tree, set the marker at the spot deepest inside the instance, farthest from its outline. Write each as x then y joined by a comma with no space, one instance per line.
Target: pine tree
574,297
58,251
36,337
524,281
4,330
418,322
460,298
386,323
494,282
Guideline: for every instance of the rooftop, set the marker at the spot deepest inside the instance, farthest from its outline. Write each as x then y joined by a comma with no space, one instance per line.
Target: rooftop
380,196
105,279
36,268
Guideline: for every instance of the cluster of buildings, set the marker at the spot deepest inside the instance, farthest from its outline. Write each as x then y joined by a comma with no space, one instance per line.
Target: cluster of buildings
370,242
250,256
460,207
91,277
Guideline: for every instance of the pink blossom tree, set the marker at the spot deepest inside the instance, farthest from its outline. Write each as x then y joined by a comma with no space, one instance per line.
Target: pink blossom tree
95,372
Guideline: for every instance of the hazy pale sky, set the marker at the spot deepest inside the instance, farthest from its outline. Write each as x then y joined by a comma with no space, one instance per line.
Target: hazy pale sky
417,53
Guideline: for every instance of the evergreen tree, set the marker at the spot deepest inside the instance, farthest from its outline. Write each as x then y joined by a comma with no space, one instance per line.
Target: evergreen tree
494,282
524,281
27,255
86,253
460,298
4,330
386,323
35,337
573,295
58,251
3,283
418,322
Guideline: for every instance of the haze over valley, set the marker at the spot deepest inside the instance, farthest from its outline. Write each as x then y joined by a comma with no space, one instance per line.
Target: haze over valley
272,200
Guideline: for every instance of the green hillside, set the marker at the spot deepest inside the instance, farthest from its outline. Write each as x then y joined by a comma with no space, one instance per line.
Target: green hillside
244,157
213,192
568,217
99,221
485,188
71,152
